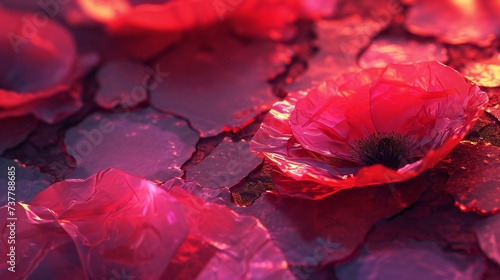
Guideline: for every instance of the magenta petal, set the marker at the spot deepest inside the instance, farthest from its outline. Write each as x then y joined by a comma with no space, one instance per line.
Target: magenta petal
42,247
144,143
219,84
488,235
111,218
134,219
37,62
315,233
40,69
416,260
240,246
225,166
122,83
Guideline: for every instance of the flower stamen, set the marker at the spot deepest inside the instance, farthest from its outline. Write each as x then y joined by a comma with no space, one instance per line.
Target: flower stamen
390,149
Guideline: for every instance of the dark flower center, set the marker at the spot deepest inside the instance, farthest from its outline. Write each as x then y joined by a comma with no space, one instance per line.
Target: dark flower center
390,149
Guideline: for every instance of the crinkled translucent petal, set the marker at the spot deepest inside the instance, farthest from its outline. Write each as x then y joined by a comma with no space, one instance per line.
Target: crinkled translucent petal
116,224
300,135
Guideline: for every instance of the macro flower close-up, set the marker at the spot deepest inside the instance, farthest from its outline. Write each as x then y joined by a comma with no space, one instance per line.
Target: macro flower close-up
376,126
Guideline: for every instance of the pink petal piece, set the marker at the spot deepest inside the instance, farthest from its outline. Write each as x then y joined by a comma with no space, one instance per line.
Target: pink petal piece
145,143
488,235
484,73
393,49
102,223
240,246
29,181
415,260
455,22
218,83
39,68
475,181
34,58
122,83
225,166
339,43
495,111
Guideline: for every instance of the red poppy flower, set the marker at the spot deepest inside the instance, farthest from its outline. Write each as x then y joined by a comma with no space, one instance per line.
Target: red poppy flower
39,67
377,126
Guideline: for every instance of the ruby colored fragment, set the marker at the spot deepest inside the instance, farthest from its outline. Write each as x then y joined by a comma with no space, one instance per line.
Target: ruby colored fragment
40,68
29,181
102,223
455,22
144,143
414,259
122,83
339,43
474,180
225,166
488,235
485,73
392,49
217,82
376,126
